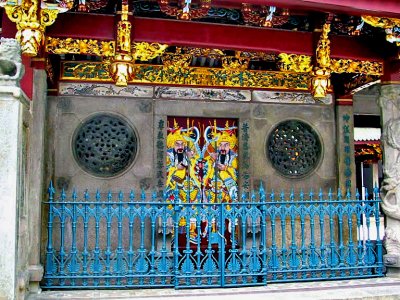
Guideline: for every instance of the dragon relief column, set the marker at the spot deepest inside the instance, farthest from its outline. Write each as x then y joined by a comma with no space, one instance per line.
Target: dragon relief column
389,102
13,132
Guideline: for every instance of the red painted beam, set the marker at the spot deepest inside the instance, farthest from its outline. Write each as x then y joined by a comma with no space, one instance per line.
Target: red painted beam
196,34
79,26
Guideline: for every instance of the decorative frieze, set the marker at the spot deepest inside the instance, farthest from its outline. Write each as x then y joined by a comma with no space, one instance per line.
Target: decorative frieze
287,97
202,94
191,93
94,89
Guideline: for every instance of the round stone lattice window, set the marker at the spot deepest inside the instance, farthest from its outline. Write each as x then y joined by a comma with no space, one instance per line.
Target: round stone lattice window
294,148
105,145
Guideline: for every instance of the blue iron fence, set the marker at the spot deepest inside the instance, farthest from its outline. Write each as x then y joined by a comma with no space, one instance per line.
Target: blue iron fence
116,241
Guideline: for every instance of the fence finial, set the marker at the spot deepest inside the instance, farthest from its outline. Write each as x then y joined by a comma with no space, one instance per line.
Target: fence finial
320,195
98,195
51,191
120,196
74,195
109,196
63,195
262,192
348,194
86,195
154,196
339,193
132,195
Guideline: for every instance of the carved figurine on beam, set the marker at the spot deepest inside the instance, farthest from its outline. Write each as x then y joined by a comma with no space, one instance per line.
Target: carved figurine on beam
121,67
320,80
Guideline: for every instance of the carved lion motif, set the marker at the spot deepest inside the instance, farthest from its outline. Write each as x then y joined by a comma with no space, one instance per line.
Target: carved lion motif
391,241
10,59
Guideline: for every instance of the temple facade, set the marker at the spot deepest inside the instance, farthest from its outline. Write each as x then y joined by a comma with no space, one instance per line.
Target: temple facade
197,144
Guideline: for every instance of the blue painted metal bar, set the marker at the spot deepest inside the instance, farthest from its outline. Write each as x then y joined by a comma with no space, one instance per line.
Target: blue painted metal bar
152,242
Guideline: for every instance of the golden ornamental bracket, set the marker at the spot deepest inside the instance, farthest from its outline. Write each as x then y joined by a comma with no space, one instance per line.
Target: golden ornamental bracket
121,67
320,79
391,26
31,22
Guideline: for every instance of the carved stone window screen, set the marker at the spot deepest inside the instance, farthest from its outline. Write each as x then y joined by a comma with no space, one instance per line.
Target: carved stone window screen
294,148
105,145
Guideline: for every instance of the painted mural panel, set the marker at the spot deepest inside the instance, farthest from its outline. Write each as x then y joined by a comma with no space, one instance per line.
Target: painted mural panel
202,160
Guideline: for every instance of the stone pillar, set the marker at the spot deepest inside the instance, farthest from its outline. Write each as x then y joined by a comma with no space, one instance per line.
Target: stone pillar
35,183
389,102
12,105
345,146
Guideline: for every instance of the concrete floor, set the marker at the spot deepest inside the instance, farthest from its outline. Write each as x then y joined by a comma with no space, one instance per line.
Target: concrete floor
373,288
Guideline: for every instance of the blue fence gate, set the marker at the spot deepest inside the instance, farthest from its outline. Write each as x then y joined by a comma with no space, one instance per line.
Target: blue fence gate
118,241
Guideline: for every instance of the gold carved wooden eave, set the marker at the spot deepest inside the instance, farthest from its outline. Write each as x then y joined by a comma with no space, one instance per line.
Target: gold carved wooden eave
294,71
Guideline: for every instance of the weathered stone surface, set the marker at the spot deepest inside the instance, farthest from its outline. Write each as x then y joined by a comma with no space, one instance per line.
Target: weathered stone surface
389,102
14,119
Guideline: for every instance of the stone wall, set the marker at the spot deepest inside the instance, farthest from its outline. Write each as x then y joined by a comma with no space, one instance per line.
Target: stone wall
146,106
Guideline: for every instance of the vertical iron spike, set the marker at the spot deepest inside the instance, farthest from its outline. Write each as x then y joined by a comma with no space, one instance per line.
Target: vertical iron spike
261,189
176,194
339,194
282,196
301,195
357,195
143,195
292,194
348,194
98,195
198,197
272,196
311,195
132,195
120,196
51,191
253,196
376,192
154,196
63,195
74,195
109,196
262,193
164,195
330,194
366,194
243,196
86,195
320,194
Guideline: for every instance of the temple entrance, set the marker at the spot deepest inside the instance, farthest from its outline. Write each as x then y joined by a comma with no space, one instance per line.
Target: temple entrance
202,160
202,155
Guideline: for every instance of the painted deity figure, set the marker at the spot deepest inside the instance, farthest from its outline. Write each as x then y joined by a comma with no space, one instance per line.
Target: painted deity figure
221,184
180,166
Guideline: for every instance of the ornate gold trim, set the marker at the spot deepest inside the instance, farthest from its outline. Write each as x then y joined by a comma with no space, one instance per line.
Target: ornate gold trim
302,63
30,25
294,62
145,51
356,66
388,24
153,74
80,46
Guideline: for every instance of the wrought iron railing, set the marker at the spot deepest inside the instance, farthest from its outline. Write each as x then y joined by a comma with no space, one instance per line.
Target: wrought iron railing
116,241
